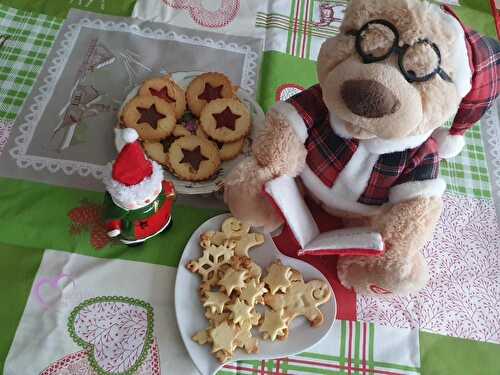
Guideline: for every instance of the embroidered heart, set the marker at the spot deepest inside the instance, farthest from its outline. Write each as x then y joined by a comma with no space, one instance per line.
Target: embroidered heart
78,364
116,332
55,282
378,290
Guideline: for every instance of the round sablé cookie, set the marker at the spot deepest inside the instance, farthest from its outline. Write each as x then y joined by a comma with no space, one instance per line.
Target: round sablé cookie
158,151
205,88
225,120
167,90
194,158
153,118
230,150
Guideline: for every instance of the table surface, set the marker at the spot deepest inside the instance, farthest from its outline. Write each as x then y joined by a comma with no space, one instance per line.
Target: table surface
59,269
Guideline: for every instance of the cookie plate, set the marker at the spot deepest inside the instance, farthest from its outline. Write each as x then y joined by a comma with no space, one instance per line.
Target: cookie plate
215,183
189,311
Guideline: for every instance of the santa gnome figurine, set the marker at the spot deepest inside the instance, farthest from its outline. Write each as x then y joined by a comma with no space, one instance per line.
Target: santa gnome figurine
138,201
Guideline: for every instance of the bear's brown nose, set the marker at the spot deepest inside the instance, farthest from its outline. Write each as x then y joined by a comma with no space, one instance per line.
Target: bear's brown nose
368,98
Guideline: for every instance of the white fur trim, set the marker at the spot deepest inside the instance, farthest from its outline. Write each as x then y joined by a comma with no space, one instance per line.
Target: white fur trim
414,189
449,145
348,186
114,233
130,135
293,118
135,193
458,56
378,145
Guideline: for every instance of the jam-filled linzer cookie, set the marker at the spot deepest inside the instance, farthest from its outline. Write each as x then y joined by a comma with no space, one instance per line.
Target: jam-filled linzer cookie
158,151
194,158
225,120
230,150
205,88
153,118
167,90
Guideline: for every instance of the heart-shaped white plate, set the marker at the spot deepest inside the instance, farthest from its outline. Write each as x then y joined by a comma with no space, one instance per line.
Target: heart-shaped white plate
189,311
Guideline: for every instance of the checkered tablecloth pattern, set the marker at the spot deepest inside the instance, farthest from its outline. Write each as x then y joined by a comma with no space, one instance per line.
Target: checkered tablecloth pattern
467,173
27,38
350,348
299,27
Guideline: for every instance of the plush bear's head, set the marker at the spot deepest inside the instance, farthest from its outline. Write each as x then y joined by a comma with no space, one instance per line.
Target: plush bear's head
397,68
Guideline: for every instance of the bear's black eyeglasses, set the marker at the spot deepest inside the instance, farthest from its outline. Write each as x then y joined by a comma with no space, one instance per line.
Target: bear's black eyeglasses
409,75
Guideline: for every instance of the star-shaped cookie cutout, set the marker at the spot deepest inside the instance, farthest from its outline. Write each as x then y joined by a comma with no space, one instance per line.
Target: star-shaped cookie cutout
278,277
193,157
226,119
245,340
252,292
240,311
150,116
162,94
201,337
232,280
273,325
211,92
215,301
223,337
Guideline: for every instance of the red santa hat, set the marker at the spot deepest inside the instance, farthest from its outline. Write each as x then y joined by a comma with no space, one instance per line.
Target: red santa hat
133,176
477,80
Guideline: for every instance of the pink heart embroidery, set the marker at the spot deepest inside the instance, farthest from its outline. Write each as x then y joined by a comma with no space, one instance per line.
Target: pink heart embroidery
52,282
117,332
78,364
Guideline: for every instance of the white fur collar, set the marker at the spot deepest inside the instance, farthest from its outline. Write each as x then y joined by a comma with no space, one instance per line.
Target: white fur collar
378,145
136,193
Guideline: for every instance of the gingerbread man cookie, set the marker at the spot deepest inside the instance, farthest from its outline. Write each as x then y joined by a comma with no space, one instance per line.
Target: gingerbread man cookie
302,299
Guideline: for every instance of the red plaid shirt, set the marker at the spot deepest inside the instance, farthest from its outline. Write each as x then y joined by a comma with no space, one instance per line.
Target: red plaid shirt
329,153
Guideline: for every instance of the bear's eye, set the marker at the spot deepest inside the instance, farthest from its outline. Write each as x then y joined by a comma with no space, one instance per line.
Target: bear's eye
377,40
419,61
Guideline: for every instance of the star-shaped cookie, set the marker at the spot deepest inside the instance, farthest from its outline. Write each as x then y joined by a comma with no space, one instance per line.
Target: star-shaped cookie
240,311
232,280
223,337
252,292
278,277
273,325
215,301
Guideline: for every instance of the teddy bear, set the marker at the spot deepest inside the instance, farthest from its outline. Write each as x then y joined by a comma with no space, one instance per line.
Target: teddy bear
365,143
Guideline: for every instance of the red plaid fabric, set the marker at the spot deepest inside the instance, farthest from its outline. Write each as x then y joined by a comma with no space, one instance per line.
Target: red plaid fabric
329,153
484,58
418,164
